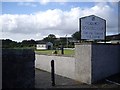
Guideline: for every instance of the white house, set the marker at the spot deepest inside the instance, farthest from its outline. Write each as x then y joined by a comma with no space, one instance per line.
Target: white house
44,46
41,46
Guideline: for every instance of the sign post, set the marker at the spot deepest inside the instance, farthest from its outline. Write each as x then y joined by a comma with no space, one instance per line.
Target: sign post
92,28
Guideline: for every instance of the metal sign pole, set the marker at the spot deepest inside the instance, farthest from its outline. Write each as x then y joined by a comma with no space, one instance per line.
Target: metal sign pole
105,32
80,28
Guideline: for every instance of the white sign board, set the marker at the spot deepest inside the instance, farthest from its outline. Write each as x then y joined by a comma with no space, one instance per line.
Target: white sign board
92,28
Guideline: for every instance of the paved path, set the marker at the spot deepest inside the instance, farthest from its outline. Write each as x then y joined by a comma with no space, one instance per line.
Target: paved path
43,80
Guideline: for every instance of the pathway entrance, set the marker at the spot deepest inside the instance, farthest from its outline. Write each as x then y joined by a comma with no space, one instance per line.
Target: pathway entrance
43,80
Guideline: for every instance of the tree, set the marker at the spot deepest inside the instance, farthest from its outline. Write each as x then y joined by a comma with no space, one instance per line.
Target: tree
28,43
8,43
50,38
76,35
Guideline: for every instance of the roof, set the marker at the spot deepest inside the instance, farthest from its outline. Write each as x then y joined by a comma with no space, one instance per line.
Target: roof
91,16
113,37
42,42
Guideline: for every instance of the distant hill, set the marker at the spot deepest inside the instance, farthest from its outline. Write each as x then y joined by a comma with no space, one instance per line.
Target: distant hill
113,37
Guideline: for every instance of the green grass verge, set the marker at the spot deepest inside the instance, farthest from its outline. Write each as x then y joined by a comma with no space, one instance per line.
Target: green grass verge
67,52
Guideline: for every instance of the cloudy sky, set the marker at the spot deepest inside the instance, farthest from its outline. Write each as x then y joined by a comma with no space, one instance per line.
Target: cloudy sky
36,20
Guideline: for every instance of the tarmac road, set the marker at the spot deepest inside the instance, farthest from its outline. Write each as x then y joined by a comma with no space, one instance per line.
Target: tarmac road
43,80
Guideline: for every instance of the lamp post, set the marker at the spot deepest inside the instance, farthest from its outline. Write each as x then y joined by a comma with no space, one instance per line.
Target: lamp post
66,41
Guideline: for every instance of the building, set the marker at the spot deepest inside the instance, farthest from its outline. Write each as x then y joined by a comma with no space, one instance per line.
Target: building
114,39
44,46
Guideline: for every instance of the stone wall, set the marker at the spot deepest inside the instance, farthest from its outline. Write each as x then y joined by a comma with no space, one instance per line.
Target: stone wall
18,70
96,61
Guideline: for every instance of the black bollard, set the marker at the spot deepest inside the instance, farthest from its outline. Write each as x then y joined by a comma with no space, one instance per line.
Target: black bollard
52,73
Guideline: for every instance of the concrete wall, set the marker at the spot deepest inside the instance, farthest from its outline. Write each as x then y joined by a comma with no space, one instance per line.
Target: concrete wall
105,60
0,65
18,68
83,63
92,62
96,61
64,66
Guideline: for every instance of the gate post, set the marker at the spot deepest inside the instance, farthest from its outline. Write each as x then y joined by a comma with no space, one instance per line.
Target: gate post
62,50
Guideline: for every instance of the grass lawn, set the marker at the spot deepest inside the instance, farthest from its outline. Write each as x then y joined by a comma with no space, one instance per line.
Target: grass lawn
67,52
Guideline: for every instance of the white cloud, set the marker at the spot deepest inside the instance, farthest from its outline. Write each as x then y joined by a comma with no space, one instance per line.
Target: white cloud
56,21
31,4
46,1
106,0
17,0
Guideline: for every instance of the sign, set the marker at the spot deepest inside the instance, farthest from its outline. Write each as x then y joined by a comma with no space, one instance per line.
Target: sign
92,28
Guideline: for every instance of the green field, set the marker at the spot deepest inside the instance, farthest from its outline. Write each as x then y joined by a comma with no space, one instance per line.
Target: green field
67,52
